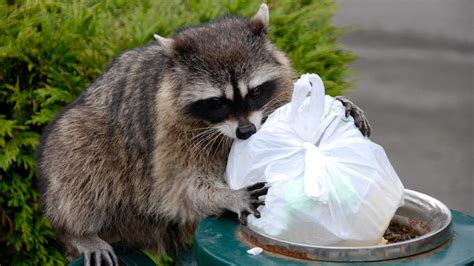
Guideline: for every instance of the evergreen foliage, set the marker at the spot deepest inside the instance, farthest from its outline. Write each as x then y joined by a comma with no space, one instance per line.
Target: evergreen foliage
50,51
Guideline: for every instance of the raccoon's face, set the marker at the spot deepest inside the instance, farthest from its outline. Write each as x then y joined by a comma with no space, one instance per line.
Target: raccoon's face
239,108
230,76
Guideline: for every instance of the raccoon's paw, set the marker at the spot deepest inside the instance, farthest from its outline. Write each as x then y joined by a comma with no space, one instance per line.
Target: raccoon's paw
360,120
97,250
248,201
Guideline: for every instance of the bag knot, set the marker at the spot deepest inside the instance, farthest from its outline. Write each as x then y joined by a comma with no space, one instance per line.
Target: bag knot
307,145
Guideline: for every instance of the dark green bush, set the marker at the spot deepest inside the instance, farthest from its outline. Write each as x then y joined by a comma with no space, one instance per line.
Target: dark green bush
50,51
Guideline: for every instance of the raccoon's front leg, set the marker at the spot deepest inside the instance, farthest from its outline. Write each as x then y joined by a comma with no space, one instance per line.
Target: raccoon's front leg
356,112
245,201
92,247
212,198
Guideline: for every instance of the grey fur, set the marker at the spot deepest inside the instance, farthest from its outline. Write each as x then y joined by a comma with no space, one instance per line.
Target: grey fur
126,161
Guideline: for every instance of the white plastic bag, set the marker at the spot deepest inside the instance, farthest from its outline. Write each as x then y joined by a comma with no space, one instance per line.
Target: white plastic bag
330,185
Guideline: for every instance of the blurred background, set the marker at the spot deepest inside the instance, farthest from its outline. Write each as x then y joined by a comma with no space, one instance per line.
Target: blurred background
414,79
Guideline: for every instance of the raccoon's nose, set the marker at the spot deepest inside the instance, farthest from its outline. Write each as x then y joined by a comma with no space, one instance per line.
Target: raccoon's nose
244,132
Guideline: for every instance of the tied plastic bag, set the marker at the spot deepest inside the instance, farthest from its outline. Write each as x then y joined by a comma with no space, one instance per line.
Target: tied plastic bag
330,185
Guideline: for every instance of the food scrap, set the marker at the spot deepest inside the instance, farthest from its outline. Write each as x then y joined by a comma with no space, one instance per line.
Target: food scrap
255,251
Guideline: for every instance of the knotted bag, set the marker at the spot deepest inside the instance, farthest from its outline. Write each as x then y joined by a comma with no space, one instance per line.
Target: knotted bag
330,185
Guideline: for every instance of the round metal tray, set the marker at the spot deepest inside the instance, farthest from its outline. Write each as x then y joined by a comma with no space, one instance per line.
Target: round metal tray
417,206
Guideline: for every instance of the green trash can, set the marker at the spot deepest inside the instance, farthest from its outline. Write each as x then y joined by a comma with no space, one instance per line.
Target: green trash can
217,243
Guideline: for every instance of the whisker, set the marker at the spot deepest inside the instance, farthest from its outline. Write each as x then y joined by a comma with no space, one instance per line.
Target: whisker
207,131
205,141
273,102
200,128
200,138
278,97
200,142
209,143
229,142
221,141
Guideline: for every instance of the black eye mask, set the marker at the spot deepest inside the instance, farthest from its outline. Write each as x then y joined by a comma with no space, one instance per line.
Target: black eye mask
218,109
214,110
257,97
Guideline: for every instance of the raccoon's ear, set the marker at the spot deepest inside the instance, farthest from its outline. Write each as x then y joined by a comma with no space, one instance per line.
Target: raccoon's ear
259,22
165,43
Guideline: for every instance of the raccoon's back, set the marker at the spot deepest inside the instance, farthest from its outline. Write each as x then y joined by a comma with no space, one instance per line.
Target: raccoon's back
104,139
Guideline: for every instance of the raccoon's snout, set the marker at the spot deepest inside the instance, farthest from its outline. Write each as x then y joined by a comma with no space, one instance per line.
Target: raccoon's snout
245,131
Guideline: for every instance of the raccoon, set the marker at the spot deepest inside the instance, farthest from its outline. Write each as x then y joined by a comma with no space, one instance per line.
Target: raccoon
140,155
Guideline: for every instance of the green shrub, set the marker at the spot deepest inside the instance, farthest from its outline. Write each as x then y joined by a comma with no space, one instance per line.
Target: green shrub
50,51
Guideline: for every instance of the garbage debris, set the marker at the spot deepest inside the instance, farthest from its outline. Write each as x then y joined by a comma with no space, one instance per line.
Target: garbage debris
255,251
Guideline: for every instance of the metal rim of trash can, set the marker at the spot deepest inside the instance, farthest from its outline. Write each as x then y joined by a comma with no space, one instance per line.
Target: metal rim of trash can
417,205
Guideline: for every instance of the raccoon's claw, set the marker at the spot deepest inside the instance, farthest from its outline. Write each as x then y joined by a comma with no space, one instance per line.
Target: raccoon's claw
256,186
244,214
251,201
360,120
107,256
243,217
95,249
261,191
